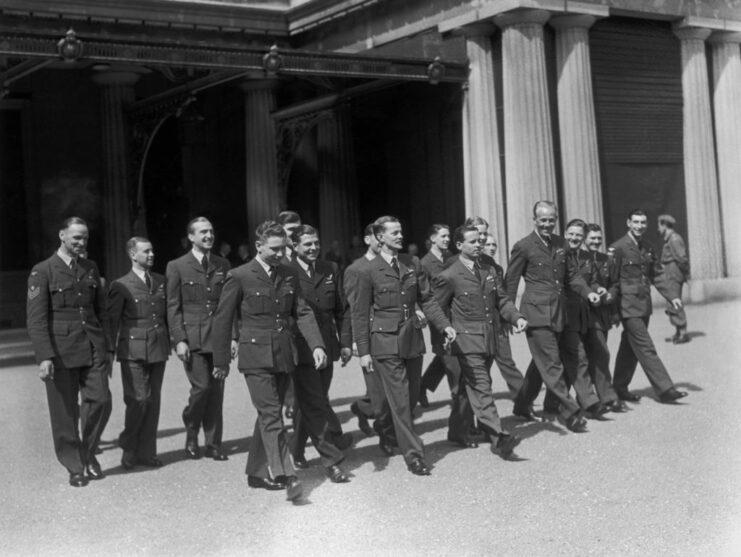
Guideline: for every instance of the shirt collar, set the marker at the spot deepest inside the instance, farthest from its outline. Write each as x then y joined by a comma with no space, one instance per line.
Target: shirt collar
387,257
66,258
263,264
546,243
369,255
467,263
304,265
141,274
636,241
198,255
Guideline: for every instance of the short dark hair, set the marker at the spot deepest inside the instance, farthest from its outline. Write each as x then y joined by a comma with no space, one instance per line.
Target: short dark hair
368,230
268,229
593,227
544,203
578,222
131,243
476,221
379,225
435,228
66,223
195,220
303,230
459,235
666,222
288,217
637,213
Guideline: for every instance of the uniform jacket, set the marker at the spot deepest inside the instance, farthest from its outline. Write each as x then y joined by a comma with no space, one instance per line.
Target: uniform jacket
384,320
350,288
577,307
433,267
635,270
546,275
474,307
323,293
192,299
137,318
267,310
604,315
675,265
65,312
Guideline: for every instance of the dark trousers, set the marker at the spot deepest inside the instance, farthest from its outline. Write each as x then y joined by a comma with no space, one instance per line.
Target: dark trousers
142,385
435,372
636,346
76,426
460,421
598,356
401,379
311,387
206,399
269,454
476,378
372,405
543,344
507,366
677,317
576,368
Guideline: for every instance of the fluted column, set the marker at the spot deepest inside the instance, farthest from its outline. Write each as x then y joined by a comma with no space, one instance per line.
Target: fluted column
700,178
263,197
483,187
117,92
528,143
582,190
727,103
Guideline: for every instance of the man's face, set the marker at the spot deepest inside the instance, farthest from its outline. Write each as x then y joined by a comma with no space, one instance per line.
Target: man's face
392,236
661,229
202,236
74,240
545,220
594,240
143,255
470,246
574,236
272,250
490,246
308,248
442,239
289,227
637,225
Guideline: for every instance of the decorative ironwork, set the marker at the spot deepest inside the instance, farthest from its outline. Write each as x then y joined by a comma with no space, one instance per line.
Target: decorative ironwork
70,48
272,61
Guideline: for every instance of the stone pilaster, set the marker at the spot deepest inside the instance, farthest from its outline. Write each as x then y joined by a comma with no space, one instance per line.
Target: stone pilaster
483,187
117,92
582,190
338,196
726,95
528,143
700,178
261,182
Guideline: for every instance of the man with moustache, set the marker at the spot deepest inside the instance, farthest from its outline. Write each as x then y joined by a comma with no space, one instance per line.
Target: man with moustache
194,283
635,267
388,335
471,293
268,296
65,309
540,260
137,312
321,286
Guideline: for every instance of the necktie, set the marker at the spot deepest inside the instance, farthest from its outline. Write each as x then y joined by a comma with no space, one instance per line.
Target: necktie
204,263
73,266
477,272
395,265
310,270
148,280
271,273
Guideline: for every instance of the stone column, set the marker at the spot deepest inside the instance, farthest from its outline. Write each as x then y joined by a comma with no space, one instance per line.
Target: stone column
117,93
338,195
483,187
263,196
726,95
700,179
528,143
582,190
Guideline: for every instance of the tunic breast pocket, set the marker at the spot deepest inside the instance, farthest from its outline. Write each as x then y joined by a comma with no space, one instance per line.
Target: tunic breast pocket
63,294
191,291
388,296
258,300
286,299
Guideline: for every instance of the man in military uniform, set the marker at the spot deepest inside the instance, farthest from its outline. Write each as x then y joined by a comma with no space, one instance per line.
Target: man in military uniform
269,299
635,266
387,332
675,270
137,322
65,310
194,283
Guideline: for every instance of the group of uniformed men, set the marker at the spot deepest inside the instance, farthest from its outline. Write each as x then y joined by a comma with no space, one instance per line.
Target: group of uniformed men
286,316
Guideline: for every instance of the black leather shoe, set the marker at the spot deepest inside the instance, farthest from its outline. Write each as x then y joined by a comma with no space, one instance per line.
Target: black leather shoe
671,395
93,471
294,489
128,461
151,462
418,467
191,447
505,445
617,406
576,423
628,396
363,424
424,402
681,338
386,445
463,442
337,475
76,479
524,412
343,442
256,482
596,411
299,461
215,453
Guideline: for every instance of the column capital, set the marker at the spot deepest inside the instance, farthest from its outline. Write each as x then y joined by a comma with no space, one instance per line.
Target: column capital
522,17
258,84
571,21
720,37
121,76
478,29
692,33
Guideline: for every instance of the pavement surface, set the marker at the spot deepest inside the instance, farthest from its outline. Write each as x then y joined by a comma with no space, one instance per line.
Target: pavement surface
659,480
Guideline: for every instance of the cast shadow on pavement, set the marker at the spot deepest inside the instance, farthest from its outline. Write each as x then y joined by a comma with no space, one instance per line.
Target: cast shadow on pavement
649,393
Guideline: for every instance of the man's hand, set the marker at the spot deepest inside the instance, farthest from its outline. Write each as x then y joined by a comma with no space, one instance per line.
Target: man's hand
235,349
421,318
355,349
345,355
220,372
320,358
450,335
109,359
602,291
593,298
677,303
46,370
521,325
183,351
366,363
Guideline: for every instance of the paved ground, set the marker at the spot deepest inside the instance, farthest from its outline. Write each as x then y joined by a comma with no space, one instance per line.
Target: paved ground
660,480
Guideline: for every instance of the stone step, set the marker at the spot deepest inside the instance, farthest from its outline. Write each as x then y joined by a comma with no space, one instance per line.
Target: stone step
15,348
